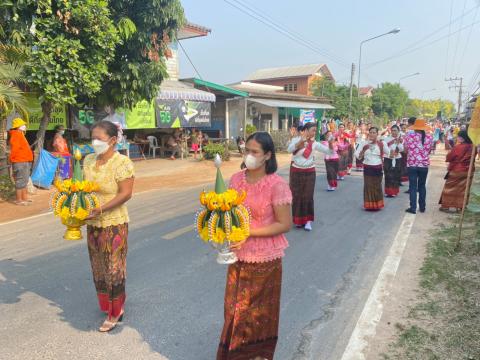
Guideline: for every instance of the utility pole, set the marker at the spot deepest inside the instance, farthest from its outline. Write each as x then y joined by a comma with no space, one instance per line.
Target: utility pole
460,90
351,90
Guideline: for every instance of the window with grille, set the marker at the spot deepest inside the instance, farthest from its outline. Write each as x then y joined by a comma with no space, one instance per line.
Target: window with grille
290,87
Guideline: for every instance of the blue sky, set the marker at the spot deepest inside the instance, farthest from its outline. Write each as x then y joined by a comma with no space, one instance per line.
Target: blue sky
239,44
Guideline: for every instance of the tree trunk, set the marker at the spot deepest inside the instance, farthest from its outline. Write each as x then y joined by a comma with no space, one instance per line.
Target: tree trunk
47,107
3,146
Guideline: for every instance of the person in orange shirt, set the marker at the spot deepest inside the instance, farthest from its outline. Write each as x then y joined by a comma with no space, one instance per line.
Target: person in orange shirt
21,158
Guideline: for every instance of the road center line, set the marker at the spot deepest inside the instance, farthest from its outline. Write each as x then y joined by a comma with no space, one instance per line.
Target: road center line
366,326
178,232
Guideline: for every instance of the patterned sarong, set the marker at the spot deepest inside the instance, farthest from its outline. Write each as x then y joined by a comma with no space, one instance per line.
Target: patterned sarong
372,188
252,310
107,248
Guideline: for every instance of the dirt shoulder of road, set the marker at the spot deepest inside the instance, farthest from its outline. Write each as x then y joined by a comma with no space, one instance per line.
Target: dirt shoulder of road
157,174
425,314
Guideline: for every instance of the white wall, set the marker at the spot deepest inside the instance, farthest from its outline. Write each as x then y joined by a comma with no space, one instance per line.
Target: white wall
172,63
267,110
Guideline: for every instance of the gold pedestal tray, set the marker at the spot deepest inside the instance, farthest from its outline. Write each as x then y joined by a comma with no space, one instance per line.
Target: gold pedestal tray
73,231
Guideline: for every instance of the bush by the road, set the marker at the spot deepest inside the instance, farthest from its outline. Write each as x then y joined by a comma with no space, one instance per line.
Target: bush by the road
7,188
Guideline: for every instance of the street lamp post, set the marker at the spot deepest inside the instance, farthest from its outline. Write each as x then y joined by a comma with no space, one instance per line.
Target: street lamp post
394,31
408,76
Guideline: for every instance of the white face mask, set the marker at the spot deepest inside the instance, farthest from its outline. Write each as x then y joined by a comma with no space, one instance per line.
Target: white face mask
23,128
99,146
252,163
61,132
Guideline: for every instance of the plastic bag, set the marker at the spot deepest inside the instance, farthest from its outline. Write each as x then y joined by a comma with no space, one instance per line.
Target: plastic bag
44,171
32,190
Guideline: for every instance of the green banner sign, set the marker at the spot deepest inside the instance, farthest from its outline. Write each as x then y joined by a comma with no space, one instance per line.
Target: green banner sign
142,116
58,117
183,114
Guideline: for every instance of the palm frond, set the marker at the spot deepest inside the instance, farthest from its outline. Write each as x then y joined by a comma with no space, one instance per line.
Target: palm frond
13,54
11,73
11,99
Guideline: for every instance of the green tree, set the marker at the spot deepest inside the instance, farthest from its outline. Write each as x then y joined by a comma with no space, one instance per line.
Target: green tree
339,95
11,96
389,101
430,108
138,67
72,43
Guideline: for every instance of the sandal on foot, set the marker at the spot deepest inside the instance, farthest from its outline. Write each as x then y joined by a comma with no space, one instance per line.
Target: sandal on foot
21,203
109,325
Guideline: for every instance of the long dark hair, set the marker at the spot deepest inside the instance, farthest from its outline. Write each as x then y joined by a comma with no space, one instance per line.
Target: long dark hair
424,135
266,142
464,135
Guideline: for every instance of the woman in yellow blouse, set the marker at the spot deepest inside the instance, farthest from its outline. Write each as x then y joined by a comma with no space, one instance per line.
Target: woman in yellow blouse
108,224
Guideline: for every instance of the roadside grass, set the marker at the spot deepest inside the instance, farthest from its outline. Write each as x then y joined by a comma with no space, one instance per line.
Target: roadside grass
444,321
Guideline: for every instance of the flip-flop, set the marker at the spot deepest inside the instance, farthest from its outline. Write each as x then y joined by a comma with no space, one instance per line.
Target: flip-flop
21,203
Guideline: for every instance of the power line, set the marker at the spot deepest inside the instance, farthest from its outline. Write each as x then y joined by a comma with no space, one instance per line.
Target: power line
279,29
420,47
426,37
449,33
468,39
458,38
473,81
190,60
262,14
270,22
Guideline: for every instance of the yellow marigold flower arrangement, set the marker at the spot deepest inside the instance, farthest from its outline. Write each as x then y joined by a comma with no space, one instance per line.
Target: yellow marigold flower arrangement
73,201
223,219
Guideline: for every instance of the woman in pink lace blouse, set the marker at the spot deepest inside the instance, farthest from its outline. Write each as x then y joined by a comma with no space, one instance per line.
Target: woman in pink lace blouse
252,294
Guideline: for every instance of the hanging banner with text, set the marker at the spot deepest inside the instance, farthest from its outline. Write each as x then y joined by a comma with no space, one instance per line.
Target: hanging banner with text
307,116
142,116
182,114
58,116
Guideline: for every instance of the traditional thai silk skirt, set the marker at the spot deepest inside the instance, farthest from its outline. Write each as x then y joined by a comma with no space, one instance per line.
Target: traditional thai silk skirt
454,190
343,163
351,150
403,168
372,188
107,248
332,172
302,185
392,176
252,311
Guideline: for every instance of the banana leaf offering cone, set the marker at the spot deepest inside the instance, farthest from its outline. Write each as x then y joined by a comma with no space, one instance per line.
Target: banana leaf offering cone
73,200
223,219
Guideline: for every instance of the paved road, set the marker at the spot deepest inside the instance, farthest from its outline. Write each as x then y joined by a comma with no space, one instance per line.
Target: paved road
174,310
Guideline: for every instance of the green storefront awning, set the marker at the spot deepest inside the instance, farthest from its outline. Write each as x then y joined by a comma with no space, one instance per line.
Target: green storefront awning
217,87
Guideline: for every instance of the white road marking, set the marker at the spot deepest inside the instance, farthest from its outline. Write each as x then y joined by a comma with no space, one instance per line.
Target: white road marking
177,233
51,212
26,218
366,326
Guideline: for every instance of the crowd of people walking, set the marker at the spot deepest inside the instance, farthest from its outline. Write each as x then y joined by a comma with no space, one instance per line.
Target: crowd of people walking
387,157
